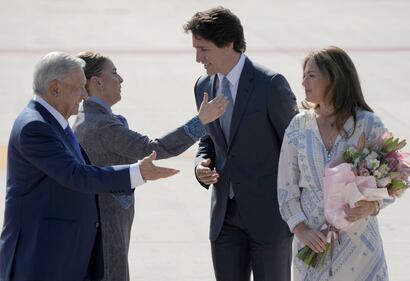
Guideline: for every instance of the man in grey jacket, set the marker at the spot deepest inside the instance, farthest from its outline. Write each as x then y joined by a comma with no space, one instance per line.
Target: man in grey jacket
107,140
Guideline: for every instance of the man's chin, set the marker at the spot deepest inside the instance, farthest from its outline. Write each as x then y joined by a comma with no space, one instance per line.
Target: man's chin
74,111
210,72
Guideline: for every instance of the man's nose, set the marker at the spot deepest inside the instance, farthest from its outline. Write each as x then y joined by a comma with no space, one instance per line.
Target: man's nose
198,56
84,95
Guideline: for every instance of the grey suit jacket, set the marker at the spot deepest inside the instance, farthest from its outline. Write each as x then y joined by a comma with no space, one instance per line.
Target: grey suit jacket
263,109
106,140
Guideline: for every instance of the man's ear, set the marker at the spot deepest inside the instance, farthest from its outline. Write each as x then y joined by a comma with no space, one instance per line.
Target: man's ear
97,82
54,88
229,45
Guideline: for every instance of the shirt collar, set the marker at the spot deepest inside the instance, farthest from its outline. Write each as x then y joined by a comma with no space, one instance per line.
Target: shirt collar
235,73
57,115
100,102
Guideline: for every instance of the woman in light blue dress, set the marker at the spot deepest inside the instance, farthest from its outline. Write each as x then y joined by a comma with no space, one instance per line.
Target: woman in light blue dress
336,115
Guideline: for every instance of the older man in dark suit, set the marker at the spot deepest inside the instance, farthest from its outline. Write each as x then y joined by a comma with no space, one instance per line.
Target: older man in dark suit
51,224
240,154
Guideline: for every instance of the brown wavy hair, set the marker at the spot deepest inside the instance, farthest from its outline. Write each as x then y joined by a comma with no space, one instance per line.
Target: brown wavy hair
344,92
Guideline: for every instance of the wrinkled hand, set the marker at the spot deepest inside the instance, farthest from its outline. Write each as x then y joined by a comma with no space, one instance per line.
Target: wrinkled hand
151,172
361,210
312,238
210,111
205,174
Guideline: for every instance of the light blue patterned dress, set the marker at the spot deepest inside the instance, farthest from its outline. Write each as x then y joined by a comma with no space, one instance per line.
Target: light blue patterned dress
303,158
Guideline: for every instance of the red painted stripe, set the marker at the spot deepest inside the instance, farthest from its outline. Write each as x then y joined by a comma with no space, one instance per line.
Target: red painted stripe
187,51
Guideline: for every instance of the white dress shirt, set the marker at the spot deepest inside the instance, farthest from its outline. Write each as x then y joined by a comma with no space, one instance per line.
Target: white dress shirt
233,78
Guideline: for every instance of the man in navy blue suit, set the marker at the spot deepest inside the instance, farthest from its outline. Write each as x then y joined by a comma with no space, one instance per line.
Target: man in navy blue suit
51,224
239,155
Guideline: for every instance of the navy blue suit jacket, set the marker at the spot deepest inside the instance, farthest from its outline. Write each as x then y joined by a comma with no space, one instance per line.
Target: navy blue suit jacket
51,223
249,160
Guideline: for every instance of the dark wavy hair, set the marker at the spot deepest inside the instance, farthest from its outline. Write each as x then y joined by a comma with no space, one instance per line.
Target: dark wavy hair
94,63
218,25
344,92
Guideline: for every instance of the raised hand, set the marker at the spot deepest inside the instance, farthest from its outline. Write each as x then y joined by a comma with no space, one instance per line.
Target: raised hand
211,110
149,171
205,174
312,238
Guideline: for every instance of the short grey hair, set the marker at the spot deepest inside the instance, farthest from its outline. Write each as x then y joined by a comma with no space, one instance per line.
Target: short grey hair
53,66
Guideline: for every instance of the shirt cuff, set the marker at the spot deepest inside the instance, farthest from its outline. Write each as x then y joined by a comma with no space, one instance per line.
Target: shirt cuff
195,129
295,220
135,175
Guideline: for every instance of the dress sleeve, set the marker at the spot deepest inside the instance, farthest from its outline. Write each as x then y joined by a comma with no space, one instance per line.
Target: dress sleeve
288,180
374,128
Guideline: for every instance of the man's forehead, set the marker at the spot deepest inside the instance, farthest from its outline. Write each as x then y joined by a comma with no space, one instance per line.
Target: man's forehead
198,41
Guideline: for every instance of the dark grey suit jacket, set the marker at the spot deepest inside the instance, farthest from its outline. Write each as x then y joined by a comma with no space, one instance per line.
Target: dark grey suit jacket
106,140
263,109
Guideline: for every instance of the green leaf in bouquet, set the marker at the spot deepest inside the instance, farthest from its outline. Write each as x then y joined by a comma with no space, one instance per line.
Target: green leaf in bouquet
397,184
323,255
401,144
312,259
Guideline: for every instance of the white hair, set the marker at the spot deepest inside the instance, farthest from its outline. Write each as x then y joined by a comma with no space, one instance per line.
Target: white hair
53,66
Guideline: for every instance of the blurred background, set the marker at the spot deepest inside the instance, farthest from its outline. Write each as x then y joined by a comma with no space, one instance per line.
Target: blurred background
146,42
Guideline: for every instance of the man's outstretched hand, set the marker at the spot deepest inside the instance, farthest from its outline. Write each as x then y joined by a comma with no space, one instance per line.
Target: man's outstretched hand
150,172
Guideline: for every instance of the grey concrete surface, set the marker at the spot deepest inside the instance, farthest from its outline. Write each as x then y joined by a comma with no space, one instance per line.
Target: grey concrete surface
146,42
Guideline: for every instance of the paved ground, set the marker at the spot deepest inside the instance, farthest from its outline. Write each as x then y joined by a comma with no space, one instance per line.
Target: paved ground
146,41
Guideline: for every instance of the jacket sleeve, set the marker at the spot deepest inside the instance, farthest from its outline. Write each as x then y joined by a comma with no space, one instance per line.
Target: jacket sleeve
128,143
281,104
206,147
42,147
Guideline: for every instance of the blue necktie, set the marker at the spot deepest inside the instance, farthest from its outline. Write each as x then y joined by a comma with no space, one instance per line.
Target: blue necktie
226,119
73,140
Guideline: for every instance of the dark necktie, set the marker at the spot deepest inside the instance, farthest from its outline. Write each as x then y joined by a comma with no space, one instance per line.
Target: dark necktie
73,140
226,118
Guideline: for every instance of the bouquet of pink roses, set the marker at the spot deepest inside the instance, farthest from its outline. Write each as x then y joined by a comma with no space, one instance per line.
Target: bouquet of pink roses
371,171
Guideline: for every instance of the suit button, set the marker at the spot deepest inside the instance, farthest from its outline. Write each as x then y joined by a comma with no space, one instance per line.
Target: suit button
97,224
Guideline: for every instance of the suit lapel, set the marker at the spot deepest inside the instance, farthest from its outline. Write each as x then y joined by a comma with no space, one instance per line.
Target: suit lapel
58,129
245,88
